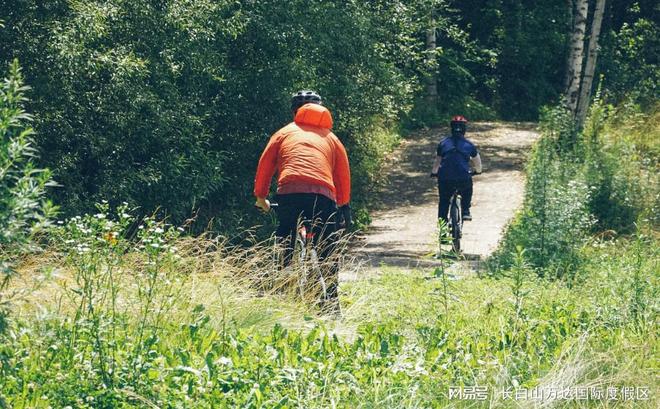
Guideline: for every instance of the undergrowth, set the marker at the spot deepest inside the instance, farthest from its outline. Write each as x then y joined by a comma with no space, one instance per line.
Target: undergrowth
130,314
599,181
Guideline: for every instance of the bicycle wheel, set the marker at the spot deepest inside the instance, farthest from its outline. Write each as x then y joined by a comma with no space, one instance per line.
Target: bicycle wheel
455,223
321,290
301,243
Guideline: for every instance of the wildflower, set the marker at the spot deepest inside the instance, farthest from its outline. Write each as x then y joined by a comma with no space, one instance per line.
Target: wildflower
110,237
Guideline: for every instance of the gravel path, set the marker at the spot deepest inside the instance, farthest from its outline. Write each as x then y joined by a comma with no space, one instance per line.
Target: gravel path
403,230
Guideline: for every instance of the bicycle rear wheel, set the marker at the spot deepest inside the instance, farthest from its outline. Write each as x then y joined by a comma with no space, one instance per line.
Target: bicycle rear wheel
455,222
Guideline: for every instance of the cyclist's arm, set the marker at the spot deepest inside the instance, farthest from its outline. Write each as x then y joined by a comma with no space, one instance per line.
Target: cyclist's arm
475,163
266,168
341,175
436,164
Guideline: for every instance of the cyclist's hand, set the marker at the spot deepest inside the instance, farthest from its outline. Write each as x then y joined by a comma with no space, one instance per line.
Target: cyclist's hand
346,219
262,204
433,175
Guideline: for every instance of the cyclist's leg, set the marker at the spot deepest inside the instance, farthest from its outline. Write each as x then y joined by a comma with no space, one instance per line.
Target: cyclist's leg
466,193
290,208
445,190
325,240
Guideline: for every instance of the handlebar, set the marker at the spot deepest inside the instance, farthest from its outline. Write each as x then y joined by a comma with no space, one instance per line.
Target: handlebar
472,173
343,213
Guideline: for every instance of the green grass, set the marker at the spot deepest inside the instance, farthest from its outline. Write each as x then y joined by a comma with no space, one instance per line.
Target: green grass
405,337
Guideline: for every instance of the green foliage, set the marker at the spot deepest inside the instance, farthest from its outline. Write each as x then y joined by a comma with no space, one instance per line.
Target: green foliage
629,58
512,63
555,219
168,105
24,210
601,180
110,335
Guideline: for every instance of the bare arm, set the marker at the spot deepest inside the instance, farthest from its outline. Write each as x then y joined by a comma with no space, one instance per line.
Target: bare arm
436,164
475,163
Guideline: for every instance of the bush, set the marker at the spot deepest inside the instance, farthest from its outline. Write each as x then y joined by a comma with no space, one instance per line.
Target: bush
599,180
555,218
24,210
167,105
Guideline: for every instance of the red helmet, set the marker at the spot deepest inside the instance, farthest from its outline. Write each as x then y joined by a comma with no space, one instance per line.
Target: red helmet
458,125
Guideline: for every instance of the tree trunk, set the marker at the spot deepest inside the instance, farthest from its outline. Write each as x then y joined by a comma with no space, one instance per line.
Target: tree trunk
432,80
590,68
570,6
577,55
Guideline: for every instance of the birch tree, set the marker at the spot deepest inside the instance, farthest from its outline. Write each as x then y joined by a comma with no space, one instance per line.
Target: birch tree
431,81
576,55
590,68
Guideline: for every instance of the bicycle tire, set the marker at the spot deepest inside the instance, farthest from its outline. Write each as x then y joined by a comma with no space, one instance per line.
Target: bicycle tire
455,218
322,286
301,243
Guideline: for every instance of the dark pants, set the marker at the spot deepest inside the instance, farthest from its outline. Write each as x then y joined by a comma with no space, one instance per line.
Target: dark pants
318,213
446,188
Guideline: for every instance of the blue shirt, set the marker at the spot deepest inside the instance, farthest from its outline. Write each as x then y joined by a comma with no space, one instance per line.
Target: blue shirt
455,154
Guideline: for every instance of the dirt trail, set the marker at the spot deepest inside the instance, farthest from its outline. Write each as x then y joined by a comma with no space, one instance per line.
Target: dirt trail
403,230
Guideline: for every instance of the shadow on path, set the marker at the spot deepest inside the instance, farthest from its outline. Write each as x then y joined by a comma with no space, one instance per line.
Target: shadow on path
403,230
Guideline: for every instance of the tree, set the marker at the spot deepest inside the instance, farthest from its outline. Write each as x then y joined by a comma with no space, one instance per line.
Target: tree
432,80
576,55
590,68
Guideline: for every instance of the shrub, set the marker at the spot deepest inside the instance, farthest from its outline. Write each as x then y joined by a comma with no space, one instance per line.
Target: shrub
24,210
167,105
555,219
599,180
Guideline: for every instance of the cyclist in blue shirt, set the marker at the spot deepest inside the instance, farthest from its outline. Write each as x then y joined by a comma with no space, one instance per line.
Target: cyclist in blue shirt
455,156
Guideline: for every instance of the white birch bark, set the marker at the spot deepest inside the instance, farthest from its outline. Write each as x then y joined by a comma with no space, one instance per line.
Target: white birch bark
576,55
590,68
431,84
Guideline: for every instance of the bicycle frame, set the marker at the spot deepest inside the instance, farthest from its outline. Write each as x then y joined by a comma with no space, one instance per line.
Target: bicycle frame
307,258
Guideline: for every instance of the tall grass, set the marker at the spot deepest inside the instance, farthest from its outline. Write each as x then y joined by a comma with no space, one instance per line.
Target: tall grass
143,317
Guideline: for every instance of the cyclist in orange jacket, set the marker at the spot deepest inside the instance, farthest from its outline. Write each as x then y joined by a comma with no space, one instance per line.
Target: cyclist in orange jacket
313,178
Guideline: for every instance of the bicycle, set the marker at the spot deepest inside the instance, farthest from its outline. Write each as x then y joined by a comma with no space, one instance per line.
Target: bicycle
455,218
308,260
455,221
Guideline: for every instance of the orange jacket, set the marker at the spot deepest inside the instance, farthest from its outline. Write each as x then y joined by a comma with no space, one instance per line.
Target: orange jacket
308,158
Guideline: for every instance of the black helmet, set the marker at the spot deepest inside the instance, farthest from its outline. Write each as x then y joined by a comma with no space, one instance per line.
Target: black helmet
303,97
